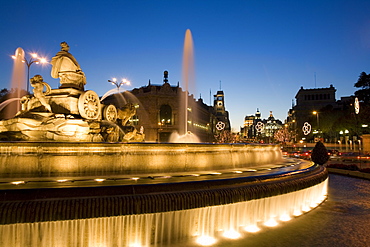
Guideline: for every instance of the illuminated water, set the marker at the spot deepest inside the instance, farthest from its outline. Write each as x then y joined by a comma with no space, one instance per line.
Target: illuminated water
168,228
342,220
18,82
162,207
188,77
52,159
112,91
200,225
7,102
185,138
19,70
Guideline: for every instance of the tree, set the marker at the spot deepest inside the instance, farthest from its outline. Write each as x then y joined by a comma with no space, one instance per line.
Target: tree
363,82
319,154
4,94
226,136
284,135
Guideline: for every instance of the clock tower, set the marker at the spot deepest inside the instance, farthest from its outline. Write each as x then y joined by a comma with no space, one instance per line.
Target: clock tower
219,102
219,107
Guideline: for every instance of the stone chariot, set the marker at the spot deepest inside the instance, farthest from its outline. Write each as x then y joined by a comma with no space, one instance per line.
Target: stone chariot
69,113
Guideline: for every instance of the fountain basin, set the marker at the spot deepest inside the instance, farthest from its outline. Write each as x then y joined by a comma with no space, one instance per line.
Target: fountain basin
151,194
55,159
76,202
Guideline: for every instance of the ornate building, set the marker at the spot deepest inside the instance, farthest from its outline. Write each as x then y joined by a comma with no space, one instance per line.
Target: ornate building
249,131
271,125
308,101
220,110
318,109
161,111
256,128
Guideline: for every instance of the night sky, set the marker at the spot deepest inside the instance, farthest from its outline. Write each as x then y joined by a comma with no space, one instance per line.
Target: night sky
261,51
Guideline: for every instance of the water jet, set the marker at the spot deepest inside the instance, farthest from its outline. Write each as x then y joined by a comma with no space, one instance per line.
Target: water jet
187,77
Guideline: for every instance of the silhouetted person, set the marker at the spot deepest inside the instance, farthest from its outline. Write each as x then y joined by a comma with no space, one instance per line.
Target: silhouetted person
319,154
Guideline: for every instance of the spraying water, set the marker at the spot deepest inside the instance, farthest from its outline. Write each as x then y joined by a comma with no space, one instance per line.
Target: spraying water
188,78
186,138
17,82
19,70
7,102
187,73
116,93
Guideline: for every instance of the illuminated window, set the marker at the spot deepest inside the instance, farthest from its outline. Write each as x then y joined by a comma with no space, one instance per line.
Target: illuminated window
134,120
165,115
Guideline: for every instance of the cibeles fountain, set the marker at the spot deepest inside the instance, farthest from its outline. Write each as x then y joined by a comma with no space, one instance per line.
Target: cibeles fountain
74,174
68,113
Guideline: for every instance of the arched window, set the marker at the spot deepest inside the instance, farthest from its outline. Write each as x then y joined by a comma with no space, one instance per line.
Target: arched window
165,115
134,120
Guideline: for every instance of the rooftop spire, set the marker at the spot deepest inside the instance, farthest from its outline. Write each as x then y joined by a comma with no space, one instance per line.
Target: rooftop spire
165,77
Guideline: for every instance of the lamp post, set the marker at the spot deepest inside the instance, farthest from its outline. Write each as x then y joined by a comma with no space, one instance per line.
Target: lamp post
318,123
33,59
346,138
317,118
119,84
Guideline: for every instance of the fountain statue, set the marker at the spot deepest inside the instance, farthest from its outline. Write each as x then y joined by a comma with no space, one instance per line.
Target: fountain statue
69,113
67,69
103,192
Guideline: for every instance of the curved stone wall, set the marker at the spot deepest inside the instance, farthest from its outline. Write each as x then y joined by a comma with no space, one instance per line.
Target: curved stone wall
80,203
51,159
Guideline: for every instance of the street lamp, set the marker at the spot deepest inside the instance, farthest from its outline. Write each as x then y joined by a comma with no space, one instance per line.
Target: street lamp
317,117
119,84
33,59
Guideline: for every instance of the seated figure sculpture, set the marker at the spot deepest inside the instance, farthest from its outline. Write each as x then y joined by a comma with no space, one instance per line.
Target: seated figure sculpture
31,102
38,84
66,67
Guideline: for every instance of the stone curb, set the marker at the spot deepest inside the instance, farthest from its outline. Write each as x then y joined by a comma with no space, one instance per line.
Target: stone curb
221,193
356,174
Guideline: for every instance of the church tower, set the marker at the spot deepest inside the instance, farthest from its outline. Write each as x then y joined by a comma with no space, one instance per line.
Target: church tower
219,107
258,114
219,103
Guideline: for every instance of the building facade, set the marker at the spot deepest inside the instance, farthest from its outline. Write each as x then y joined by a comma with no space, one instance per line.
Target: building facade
162,111
317,113
309,101
257,129
220,110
